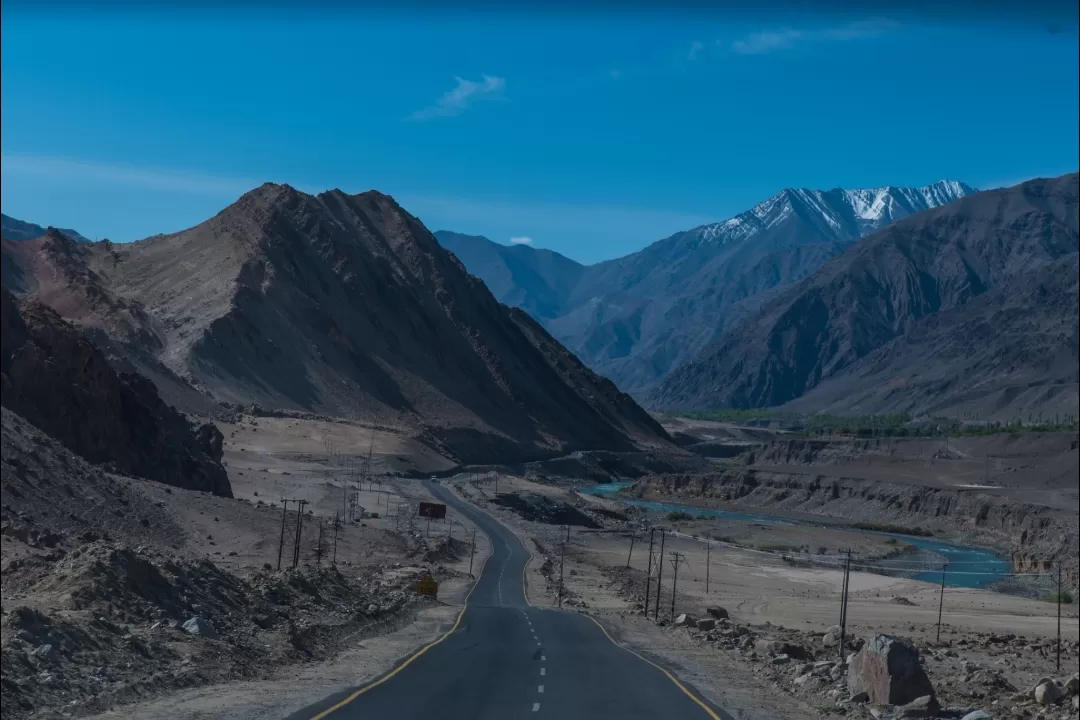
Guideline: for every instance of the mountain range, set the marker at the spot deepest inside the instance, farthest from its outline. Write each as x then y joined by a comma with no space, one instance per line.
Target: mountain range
969,308
636,318
340,305
13,229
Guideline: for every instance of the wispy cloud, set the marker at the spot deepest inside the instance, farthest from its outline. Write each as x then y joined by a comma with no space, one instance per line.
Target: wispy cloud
696,48
784,38
521,240
72,170
456,101
768,41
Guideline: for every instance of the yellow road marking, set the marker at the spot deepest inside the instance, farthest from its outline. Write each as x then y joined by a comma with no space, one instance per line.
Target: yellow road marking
412,657
672,678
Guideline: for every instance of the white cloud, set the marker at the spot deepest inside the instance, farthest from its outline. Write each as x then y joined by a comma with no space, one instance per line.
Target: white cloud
764,42
521,240
784,38
696,48
456,101
68,170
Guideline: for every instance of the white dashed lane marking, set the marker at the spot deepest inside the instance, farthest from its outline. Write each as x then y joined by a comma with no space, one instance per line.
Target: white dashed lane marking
536,707
541,689
543,672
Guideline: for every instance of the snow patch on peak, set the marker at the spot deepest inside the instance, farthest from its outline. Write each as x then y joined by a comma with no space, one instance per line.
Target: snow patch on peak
845,213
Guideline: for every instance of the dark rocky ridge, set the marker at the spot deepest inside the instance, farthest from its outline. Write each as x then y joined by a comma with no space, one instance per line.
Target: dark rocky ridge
967,307
55,378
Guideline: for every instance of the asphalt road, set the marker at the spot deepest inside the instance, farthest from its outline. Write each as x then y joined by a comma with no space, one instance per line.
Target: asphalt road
506,659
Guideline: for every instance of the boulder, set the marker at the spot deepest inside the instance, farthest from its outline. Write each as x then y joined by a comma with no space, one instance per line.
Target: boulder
683,620
781,659
706,624
977,715
923,707
197,625
718,612
1072,685
859,698
830,639
1048,692
782,647
887,669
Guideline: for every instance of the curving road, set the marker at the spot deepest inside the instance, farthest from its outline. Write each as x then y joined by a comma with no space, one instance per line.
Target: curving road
506,659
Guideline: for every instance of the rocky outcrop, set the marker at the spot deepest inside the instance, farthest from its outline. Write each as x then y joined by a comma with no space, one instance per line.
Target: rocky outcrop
55,378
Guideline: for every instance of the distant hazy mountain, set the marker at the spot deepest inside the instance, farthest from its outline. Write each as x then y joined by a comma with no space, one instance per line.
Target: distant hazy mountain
13,229
636,318
535,280
965,308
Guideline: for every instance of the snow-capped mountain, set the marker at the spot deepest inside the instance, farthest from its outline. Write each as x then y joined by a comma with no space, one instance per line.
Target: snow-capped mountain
848,214
637,317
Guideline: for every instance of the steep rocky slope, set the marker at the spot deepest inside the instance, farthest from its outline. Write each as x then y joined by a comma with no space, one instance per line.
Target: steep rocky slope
54,377
342,305
970,307
536,280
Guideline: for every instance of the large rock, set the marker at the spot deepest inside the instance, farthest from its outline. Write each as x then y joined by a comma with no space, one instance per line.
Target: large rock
718,612
887,669
926,706
1048,692
706,624
198,625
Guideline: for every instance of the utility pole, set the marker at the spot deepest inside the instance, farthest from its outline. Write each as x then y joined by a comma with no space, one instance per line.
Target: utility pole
336,526
299,533
843,604
631,555
675,557
472,553
708,558
659,575
941,599
319,543
1059,618
281,540
562,563
648,573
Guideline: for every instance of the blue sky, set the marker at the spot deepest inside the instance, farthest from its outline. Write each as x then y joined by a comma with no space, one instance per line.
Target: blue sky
592,133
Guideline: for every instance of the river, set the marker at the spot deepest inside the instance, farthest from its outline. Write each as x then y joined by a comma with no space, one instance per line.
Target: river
969,567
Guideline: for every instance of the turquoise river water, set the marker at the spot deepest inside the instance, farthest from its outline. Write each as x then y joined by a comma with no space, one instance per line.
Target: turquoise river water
968,566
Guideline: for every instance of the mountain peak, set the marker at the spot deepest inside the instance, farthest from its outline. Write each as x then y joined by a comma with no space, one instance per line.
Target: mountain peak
839,214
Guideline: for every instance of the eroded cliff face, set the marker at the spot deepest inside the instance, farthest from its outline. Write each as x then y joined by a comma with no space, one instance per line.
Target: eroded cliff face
55,378
1036,536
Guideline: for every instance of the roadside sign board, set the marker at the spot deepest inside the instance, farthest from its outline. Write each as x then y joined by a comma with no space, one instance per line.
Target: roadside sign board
432,510
427,586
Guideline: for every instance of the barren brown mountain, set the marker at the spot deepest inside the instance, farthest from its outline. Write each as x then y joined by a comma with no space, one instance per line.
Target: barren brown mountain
54,377
342,305
970,308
